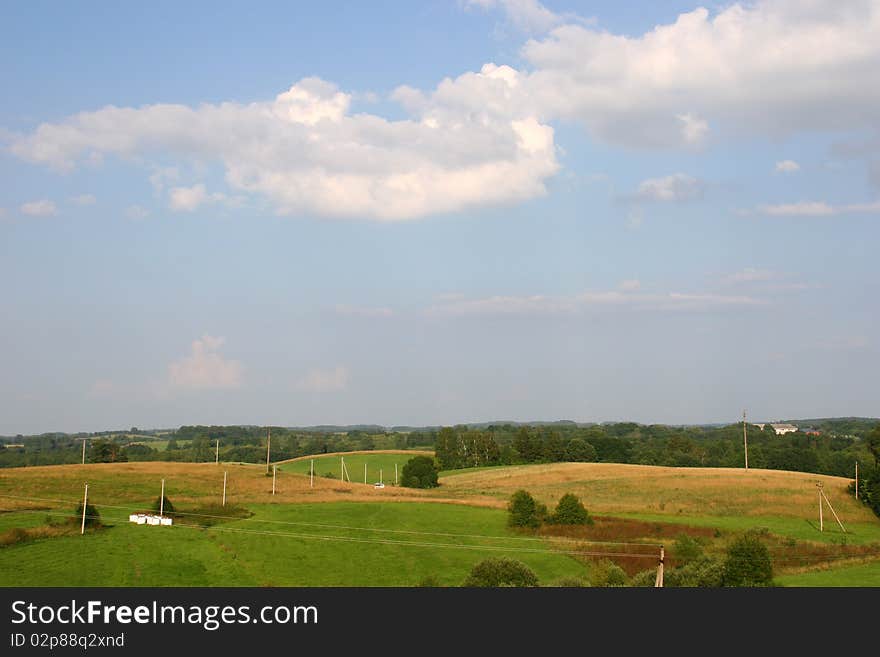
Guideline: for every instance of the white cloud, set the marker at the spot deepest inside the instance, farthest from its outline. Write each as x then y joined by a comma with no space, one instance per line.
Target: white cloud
751,275
771,67
677,187
527,15
629,285
161,176
329,380
787,166
205,368
83,199
41,208
136,212
362,311
307,155
818,209
190,199
626,296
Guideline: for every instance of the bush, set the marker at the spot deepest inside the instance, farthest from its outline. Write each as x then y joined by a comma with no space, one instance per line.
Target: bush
686,549
420,472
501,572
748,563
523,510
704,572
580,450
607,573
645,578
570,511
93,518
570,583
168,507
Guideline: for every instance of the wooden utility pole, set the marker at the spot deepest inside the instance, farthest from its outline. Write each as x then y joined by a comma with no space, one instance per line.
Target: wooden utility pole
365,473
395,474
341,468
82,529
312,474
224,488
821,523
268,444
745,441
828,502
274,474
658,582
857,480
84,452
217,452
162,500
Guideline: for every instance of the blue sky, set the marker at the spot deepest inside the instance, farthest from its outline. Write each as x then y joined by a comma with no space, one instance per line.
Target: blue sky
437,212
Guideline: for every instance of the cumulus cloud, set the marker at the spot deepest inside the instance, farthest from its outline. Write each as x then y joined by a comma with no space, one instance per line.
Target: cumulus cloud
205,368
325,380
677,187
773,67
787,166
83,199
307,154
818,209
41,208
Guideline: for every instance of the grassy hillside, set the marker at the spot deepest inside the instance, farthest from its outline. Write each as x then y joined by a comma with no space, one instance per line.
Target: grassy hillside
354,463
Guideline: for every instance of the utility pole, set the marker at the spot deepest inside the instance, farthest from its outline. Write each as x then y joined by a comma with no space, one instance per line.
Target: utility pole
857,480
224,488
658,581
395,474
84,452
365,473
745,441
217,453
274,474
162,500
268,444
312,474
82,529
828,502
821,523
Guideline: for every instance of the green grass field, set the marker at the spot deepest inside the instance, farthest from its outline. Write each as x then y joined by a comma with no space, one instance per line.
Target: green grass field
330,544
867,574
354,463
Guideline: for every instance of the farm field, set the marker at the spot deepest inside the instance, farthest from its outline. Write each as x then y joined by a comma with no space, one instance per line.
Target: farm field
339,533
330,544
354,463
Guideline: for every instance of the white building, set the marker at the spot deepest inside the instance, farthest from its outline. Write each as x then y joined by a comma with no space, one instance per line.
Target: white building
780,429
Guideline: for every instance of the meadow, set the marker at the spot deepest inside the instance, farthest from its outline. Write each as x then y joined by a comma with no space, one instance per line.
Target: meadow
332,533
375,462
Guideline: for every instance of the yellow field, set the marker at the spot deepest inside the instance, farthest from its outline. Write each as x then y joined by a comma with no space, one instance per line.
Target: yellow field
609,488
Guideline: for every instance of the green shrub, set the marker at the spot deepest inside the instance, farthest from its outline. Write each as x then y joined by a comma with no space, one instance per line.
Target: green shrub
523,511
501,572
686,549
748,563
420,472
645,578
93,518
607,573
570,511
704,572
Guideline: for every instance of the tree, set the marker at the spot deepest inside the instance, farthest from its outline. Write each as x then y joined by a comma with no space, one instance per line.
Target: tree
501,572
523,510
686,549
748,563
93,518
872,440
570,511
446,449
420,472
104,451
580,450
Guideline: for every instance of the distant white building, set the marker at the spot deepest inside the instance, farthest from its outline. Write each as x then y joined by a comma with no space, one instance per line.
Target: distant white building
780,429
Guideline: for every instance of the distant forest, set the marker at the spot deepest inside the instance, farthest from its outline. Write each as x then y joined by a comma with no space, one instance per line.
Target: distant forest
839,444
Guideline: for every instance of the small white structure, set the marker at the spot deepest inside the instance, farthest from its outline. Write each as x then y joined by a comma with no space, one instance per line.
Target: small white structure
149,519
782,429
379,484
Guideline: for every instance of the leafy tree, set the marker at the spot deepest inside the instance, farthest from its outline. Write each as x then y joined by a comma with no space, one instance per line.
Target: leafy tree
686,549
570,511
446,449
523,510
104,451
420,472
703,572
579,449
606,573
501,572
93,518
748,563
872,440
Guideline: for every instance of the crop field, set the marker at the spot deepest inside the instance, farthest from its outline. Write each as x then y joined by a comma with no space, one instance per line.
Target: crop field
375,461
335,533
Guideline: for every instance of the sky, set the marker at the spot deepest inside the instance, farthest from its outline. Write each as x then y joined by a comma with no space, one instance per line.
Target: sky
437,212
